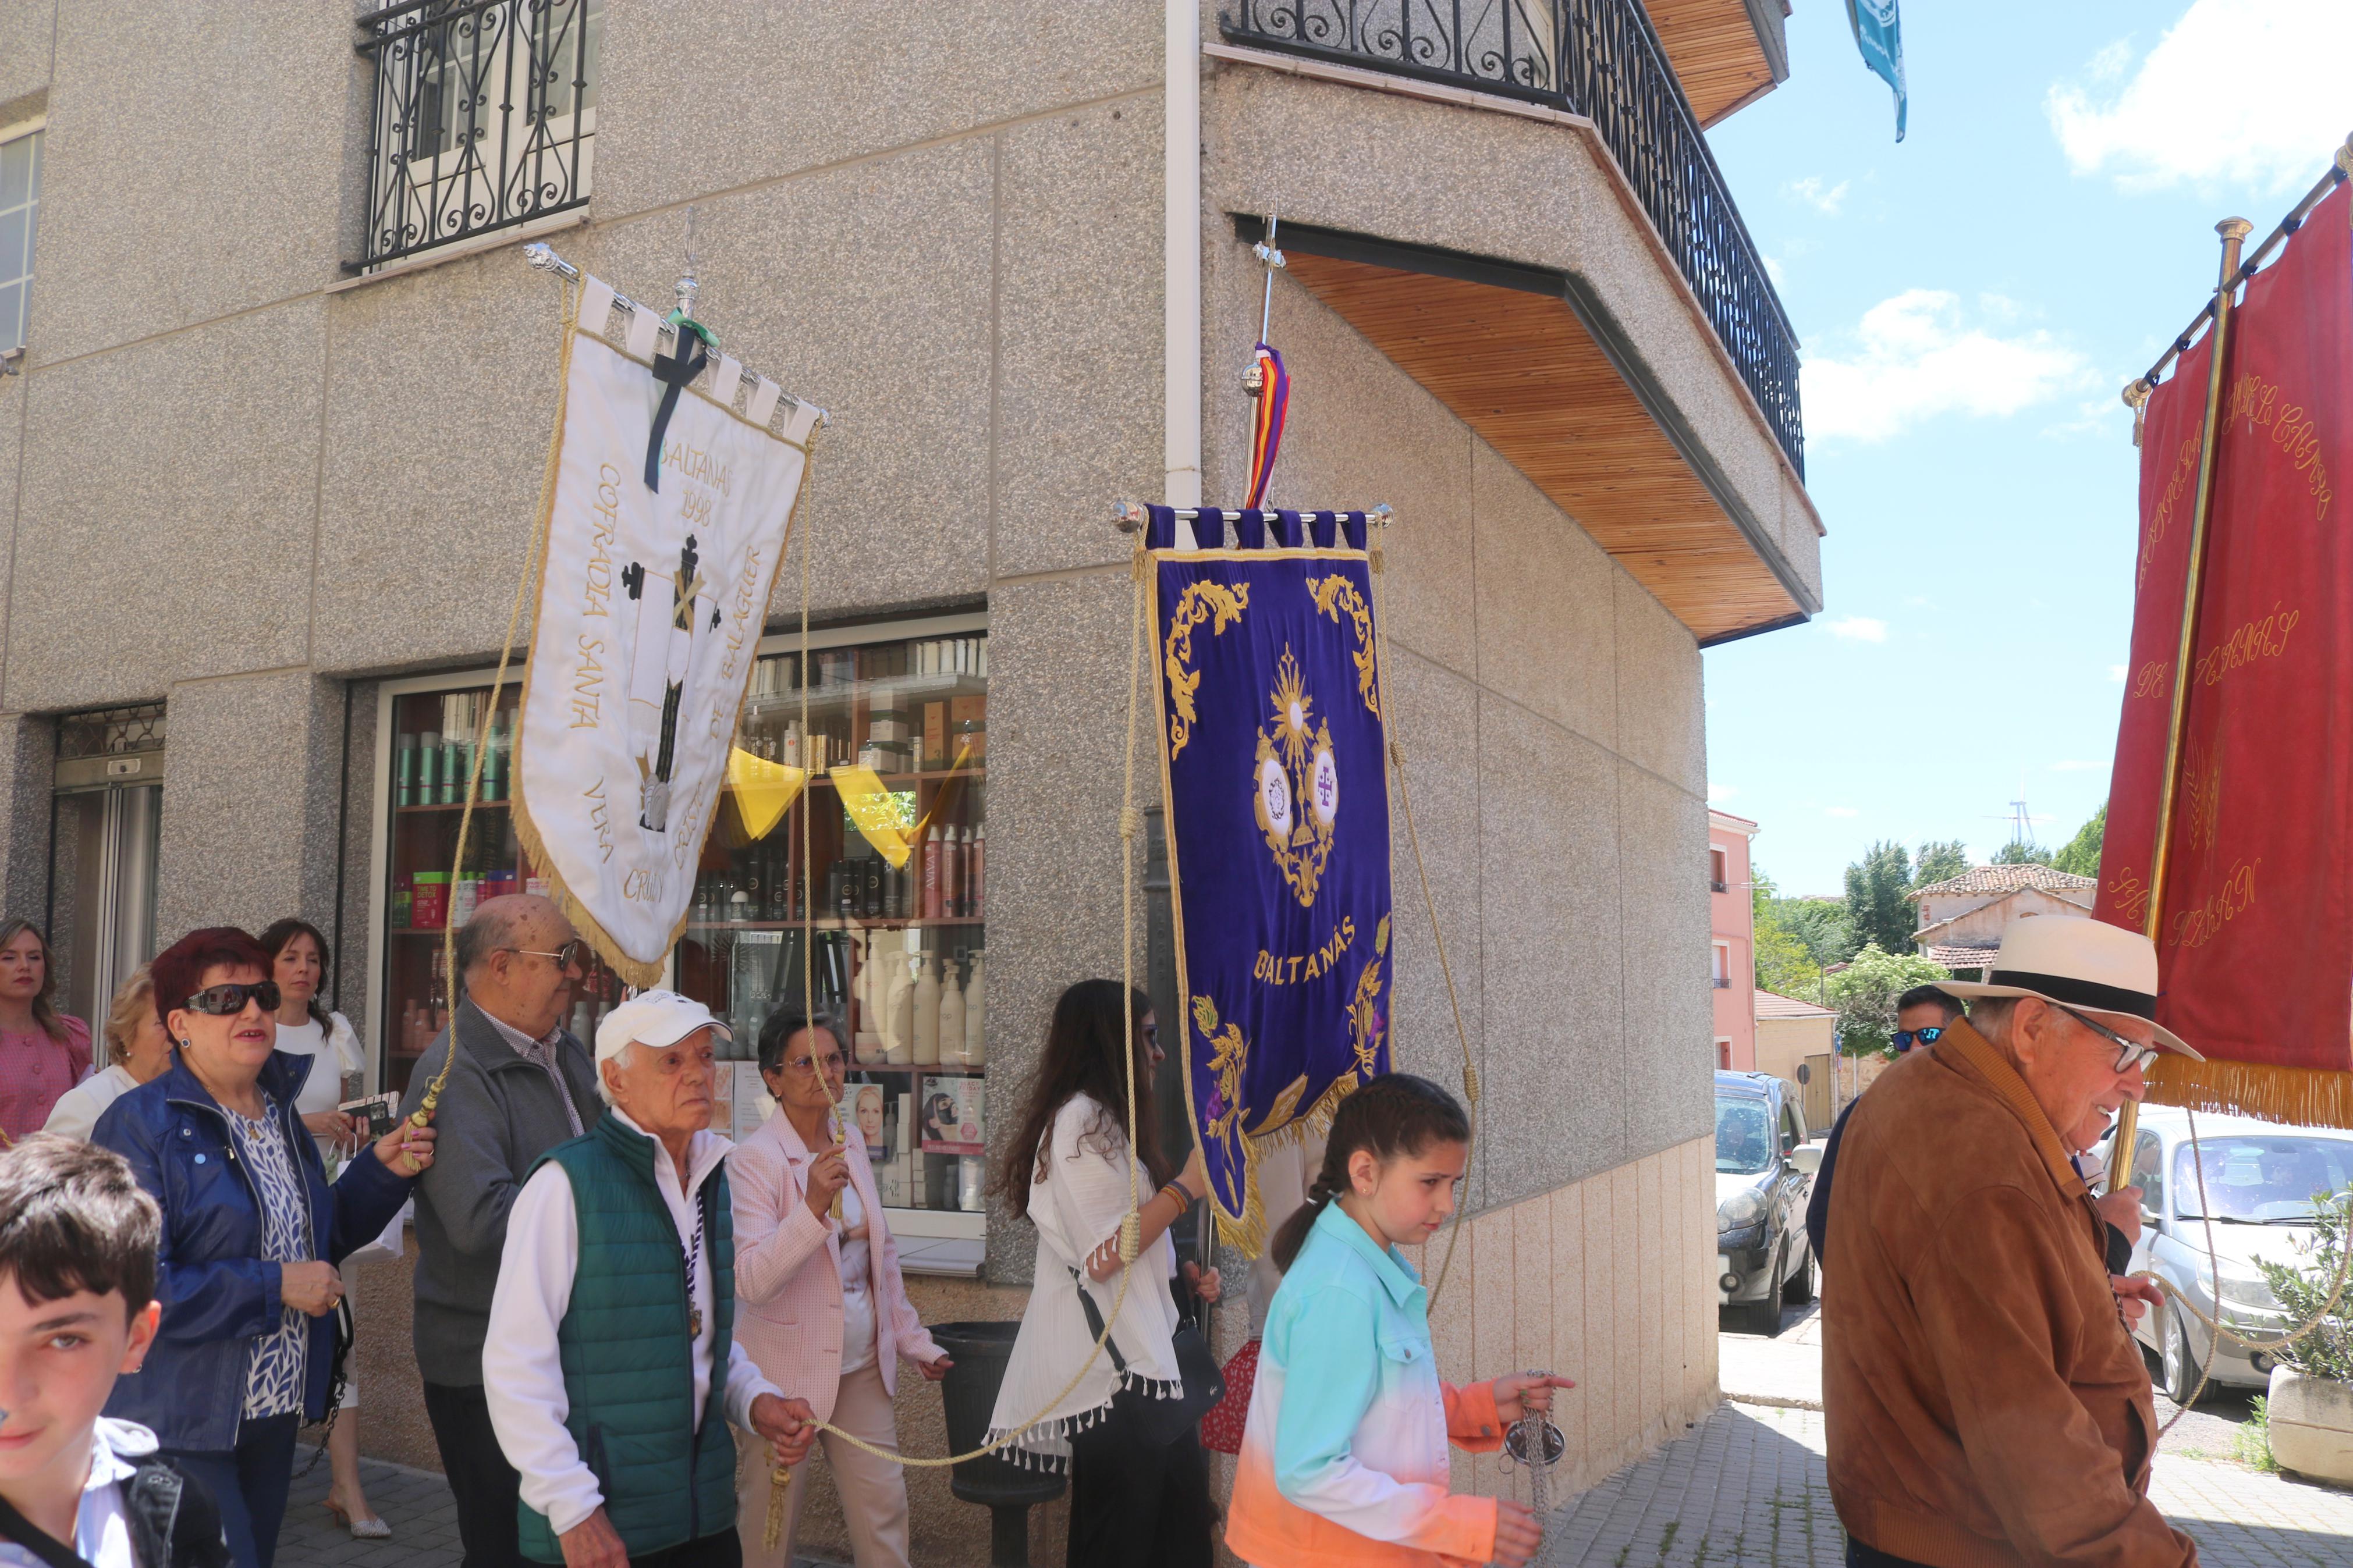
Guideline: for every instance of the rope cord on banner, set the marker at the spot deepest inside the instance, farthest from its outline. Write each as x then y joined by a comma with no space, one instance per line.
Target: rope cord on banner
1430,902
1130,1225
2214,1325
425,1107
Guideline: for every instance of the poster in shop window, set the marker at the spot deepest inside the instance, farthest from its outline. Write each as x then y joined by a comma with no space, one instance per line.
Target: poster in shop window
675,484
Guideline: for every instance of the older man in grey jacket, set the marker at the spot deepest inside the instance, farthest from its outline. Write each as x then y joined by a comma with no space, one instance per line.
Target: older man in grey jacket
518,1085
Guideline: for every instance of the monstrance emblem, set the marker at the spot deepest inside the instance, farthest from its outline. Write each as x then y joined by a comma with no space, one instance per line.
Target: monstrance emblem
1296,787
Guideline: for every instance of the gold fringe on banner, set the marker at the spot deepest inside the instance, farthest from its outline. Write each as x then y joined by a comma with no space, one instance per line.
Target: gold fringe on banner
2305,1097
1252,1230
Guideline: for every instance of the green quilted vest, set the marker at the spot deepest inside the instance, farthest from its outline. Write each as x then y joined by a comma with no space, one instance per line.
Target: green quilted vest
627,1367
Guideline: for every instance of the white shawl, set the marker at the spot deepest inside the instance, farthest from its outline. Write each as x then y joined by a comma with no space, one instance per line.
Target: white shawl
1076,1207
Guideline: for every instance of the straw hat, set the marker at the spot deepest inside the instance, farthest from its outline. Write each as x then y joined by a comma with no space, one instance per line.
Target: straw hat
2086,964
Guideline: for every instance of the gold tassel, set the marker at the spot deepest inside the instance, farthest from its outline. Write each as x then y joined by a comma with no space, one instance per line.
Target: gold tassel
780,1476
2305,1097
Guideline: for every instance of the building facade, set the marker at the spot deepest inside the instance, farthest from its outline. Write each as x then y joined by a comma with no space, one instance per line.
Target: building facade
1732,939
1795,1041
1962,918
271,450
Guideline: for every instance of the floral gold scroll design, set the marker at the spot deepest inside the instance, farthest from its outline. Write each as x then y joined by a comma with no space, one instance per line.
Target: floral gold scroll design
1296,784
2201,797
1331,595
1366,1027
1222,606
1229,1055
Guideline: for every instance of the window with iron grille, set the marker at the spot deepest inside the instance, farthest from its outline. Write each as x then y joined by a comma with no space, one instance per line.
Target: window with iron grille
484,117
20,204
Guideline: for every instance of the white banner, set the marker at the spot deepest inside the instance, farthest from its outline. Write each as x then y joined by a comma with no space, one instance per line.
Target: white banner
651,602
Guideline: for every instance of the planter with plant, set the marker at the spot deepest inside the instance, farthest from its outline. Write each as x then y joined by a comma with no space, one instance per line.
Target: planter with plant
2310,1409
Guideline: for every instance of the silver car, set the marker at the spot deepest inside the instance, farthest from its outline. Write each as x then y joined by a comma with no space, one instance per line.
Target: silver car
2260,1180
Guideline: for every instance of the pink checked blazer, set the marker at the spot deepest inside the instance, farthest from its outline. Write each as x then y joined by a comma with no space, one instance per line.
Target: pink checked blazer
788,1271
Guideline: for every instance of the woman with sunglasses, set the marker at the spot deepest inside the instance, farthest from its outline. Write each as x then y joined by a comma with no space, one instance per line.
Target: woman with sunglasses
252,1232
822,1310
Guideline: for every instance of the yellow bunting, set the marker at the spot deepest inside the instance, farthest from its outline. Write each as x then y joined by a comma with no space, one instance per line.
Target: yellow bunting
944,802
874,809
764,791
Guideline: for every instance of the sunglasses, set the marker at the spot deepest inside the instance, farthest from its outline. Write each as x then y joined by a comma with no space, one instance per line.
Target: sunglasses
228,1001
2130,1054
1905,1040
564,957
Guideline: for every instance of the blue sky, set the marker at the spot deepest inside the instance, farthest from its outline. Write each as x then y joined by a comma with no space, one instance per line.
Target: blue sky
1971,303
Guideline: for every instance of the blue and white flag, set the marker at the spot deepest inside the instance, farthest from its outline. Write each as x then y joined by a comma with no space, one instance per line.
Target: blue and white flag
1879,34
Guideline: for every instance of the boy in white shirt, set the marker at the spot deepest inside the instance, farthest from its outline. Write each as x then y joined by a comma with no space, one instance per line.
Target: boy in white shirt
77,1309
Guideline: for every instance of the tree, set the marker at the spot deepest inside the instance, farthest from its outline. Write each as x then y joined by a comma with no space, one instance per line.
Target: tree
2017,853
1821,925
1939,861
1876,885
1864,995
2082,853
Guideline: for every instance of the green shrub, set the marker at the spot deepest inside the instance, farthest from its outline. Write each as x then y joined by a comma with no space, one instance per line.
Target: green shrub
2303,1290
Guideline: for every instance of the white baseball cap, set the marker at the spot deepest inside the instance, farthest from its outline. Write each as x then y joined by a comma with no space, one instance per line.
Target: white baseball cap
656,1018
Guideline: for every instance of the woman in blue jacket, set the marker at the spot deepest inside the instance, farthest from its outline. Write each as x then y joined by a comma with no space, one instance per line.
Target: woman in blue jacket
252,1233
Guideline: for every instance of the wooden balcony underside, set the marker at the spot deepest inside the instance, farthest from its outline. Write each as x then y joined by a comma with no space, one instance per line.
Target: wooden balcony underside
1717,55
1522,368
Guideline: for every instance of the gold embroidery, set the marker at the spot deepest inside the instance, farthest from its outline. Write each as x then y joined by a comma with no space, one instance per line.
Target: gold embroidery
1213,601
1333,595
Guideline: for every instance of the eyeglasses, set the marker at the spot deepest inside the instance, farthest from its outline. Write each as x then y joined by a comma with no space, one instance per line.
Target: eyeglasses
564,957
2130,1054
833,1063
1905,1040
228,1001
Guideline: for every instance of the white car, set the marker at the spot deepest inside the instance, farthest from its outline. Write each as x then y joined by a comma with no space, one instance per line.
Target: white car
2260,1178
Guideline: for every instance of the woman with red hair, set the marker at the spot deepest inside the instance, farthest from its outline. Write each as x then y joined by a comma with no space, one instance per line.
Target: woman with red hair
252,1232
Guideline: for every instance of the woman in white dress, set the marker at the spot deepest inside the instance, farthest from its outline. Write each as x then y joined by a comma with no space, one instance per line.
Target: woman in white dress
299,957
1135,1502
137,1048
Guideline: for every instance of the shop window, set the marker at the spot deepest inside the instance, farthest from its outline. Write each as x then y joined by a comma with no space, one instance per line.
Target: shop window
20,206
896,952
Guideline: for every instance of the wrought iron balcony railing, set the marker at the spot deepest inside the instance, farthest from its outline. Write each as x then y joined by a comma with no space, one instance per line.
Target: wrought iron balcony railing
485,117
1601,59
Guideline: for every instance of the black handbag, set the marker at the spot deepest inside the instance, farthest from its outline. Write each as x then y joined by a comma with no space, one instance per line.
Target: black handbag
1160,1422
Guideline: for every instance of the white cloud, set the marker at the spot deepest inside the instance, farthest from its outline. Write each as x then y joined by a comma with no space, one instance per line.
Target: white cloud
2247,93
1718,794
1917,355
1860,628
2116,673
1823,199
1773,270
1839,811
2076,767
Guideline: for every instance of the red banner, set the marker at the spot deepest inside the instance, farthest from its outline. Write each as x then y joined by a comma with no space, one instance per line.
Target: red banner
2256,937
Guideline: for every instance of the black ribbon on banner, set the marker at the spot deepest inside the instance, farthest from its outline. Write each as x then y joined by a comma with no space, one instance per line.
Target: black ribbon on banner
676,372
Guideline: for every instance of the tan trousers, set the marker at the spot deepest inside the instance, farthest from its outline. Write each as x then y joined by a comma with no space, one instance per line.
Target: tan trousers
873,1491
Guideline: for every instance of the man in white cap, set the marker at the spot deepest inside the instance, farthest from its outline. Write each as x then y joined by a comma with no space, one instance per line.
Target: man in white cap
1985,1402
611,1369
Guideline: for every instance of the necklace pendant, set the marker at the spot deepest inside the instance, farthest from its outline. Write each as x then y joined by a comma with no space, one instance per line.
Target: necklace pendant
694,1322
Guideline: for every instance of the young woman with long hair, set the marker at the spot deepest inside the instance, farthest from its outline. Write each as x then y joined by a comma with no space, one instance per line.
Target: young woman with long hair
1133,1504
42,1054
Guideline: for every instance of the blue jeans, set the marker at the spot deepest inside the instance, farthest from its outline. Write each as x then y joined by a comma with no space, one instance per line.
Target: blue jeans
249,1482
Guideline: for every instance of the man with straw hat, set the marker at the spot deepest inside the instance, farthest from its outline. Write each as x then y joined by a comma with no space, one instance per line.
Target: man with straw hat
611,1368
1984,1400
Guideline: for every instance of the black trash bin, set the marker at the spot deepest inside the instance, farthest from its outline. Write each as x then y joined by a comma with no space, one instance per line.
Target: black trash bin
969,1392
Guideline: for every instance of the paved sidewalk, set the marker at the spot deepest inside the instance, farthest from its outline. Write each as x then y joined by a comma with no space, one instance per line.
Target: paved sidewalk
415,1503
1748,1488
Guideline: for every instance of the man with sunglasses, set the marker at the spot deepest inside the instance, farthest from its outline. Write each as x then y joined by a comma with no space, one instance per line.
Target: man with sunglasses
1921,1015
1984,1399
518,1085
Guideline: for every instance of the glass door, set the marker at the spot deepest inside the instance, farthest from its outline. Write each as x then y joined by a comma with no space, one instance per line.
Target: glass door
106,819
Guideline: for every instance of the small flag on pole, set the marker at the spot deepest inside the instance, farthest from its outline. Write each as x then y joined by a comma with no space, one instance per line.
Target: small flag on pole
1879,34
1266,421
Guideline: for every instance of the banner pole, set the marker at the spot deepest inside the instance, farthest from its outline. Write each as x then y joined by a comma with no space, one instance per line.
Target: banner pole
2234,231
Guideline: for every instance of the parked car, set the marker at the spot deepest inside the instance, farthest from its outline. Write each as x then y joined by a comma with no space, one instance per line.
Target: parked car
2260,1180
1763,1168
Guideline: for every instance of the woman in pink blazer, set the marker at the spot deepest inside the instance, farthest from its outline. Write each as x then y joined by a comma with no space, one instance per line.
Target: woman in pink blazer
820,1306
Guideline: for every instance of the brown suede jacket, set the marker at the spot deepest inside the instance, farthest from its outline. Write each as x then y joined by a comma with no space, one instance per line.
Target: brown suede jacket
1985,1404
